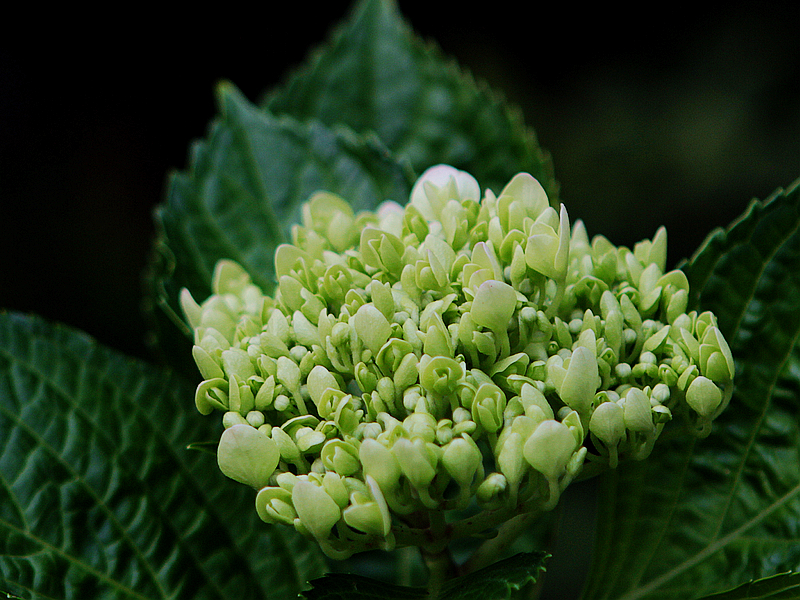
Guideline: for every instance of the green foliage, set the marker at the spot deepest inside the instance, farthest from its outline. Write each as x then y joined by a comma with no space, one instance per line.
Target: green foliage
244,189
376,75
496,582
100,496
784,586
700,516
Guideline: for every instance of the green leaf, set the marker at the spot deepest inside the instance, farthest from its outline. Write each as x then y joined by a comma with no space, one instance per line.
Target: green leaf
244,191
376,75
495,582
100,497
784,586
700,516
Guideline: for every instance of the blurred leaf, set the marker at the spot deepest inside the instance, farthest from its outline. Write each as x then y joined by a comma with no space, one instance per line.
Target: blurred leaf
99,495
495,582
700,516
244,191
785,586
376,75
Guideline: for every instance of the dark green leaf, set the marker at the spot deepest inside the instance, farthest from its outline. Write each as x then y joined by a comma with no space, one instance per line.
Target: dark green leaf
99,495
338,586
245,188
700,516
376,75
495,582
784,586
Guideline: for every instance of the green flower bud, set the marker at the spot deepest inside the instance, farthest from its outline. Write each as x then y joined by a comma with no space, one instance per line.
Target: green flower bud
420,423
687,377
676,304
335,487
437,339
236,362
484,256
341,456
309,440
493,306
289,376
191,309
417,459
414,223
580,380
274,505
391,355
286,445
383,251
439,375
510,459
608,424
704,396
380,463
637,411
319,380
246,455
230,418
488,407
535,404
209,367
462,460
572,420
347,415
210,395
240,396
255,418
317,511
656,341
305,332
439,184
704,321
332,217
381,296
547,248
369,513
366,378
549,448
716,360
522,197
406,374
372,327
492,491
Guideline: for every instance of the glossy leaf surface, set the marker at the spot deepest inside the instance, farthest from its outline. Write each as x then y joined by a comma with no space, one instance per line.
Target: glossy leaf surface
496,582
700,516
244,190
100,496
376,75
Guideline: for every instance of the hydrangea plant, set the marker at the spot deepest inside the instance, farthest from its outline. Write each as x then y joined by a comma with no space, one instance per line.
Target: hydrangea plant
411,352
465,351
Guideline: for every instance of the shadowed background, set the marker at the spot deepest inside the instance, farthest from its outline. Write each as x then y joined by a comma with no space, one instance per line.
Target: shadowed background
677,119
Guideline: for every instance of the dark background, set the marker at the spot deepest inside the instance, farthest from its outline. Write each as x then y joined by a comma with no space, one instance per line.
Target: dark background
655,116
679,118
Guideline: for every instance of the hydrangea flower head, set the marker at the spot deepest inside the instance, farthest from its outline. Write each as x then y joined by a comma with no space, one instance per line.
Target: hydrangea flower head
465,351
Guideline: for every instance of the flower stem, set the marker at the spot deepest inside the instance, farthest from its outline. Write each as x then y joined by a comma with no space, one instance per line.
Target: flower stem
490,550
441,567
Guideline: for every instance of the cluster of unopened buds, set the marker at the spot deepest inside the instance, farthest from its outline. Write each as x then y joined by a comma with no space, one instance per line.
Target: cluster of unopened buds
430,371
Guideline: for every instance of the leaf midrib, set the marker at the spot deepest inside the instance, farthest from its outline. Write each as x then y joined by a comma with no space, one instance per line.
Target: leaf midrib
156,432
711,549
102,577
724,541
41,443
